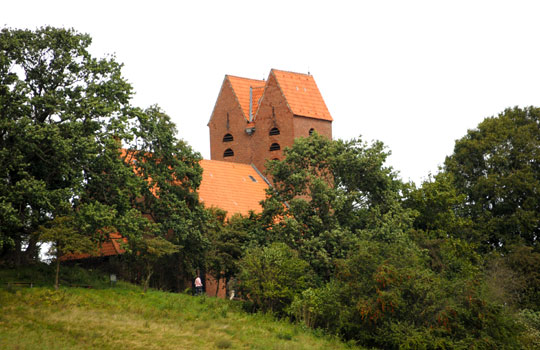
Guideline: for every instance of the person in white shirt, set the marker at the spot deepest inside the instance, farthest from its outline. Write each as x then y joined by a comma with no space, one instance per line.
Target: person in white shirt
198,286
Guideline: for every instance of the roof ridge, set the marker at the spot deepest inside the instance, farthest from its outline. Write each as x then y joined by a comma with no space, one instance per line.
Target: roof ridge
226,162
288,71
236,76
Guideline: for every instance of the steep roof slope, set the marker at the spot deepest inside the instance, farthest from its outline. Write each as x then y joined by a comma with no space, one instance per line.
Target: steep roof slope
234,187
302,94
241,87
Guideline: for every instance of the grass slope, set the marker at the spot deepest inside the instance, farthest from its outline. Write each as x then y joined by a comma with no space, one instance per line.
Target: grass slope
124,318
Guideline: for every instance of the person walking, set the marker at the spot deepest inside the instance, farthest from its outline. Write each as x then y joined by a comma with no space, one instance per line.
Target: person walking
198,286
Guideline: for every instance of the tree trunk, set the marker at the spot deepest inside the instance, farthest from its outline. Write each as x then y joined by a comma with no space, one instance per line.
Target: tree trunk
147,280
217,286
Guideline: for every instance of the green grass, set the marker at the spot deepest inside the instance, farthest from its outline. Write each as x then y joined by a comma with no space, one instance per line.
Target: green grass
124,317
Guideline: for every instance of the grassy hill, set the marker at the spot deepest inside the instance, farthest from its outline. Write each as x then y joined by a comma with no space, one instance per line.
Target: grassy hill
124,318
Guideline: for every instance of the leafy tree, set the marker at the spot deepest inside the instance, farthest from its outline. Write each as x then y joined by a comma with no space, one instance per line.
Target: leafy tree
440,208
272,276
148,250
58,107
226,245
387,294
65,239
497,167
331,189
65,117
170,174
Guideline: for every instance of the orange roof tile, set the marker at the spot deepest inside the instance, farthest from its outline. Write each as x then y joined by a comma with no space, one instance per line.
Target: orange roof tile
302,94
234,187
112,246
241,88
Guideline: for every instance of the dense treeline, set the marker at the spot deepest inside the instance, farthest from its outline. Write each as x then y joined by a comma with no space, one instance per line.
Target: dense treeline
393,266
342,244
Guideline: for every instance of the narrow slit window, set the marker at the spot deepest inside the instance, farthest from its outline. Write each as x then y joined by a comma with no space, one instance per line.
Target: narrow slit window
228,138
274,131
252,178
311,131
275,147
228,153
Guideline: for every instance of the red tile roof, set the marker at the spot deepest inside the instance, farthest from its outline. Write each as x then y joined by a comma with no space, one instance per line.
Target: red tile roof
112,246
241,87
234,187
302,94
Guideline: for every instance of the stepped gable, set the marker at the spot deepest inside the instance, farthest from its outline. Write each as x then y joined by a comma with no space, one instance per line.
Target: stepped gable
241,88
234,187
302,94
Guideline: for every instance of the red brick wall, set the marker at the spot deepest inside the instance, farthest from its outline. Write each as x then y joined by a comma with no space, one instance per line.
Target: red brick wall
302,125
212,285
273,113
227,104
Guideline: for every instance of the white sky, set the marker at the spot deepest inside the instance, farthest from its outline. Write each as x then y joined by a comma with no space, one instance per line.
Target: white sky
413,74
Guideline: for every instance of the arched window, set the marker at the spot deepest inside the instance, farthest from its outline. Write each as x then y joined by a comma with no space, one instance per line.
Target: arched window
228,153
275,147
274,131
311,131
227,138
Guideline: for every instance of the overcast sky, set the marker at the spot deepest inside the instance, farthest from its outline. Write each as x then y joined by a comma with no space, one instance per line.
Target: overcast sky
413,74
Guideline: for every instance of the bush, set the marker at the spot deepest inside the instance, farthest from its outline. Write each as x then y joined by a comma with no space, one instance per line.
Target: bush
272,276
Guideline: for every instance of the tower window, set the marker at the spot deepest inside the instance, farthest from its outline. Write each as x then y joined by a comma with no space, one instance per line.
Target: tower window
275,147
311,131
228,138
274,131
228,153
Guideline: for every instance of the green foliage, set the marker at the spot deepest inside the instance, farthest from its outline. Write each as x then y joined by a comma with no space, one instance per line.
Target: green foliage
64,118
170,175
227,239
331,189
440,207
497,167
386,295
273,276
57,107
64,239
524,262
148,250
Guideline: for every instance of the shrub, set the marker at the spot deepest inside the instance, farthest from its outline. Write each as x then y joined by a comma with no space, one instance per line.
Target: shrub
272,276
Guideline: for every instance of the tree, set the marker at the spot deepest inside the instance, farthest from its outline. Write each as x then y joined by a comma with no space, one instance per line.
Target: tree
58,107
71,144
227,241
65,239
497,167
440,208
170,175
331,190
272,276
148,250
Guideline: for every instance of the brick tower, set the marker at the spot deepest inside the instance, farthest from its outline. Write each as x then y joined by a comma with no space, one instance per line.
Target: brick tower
254,120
